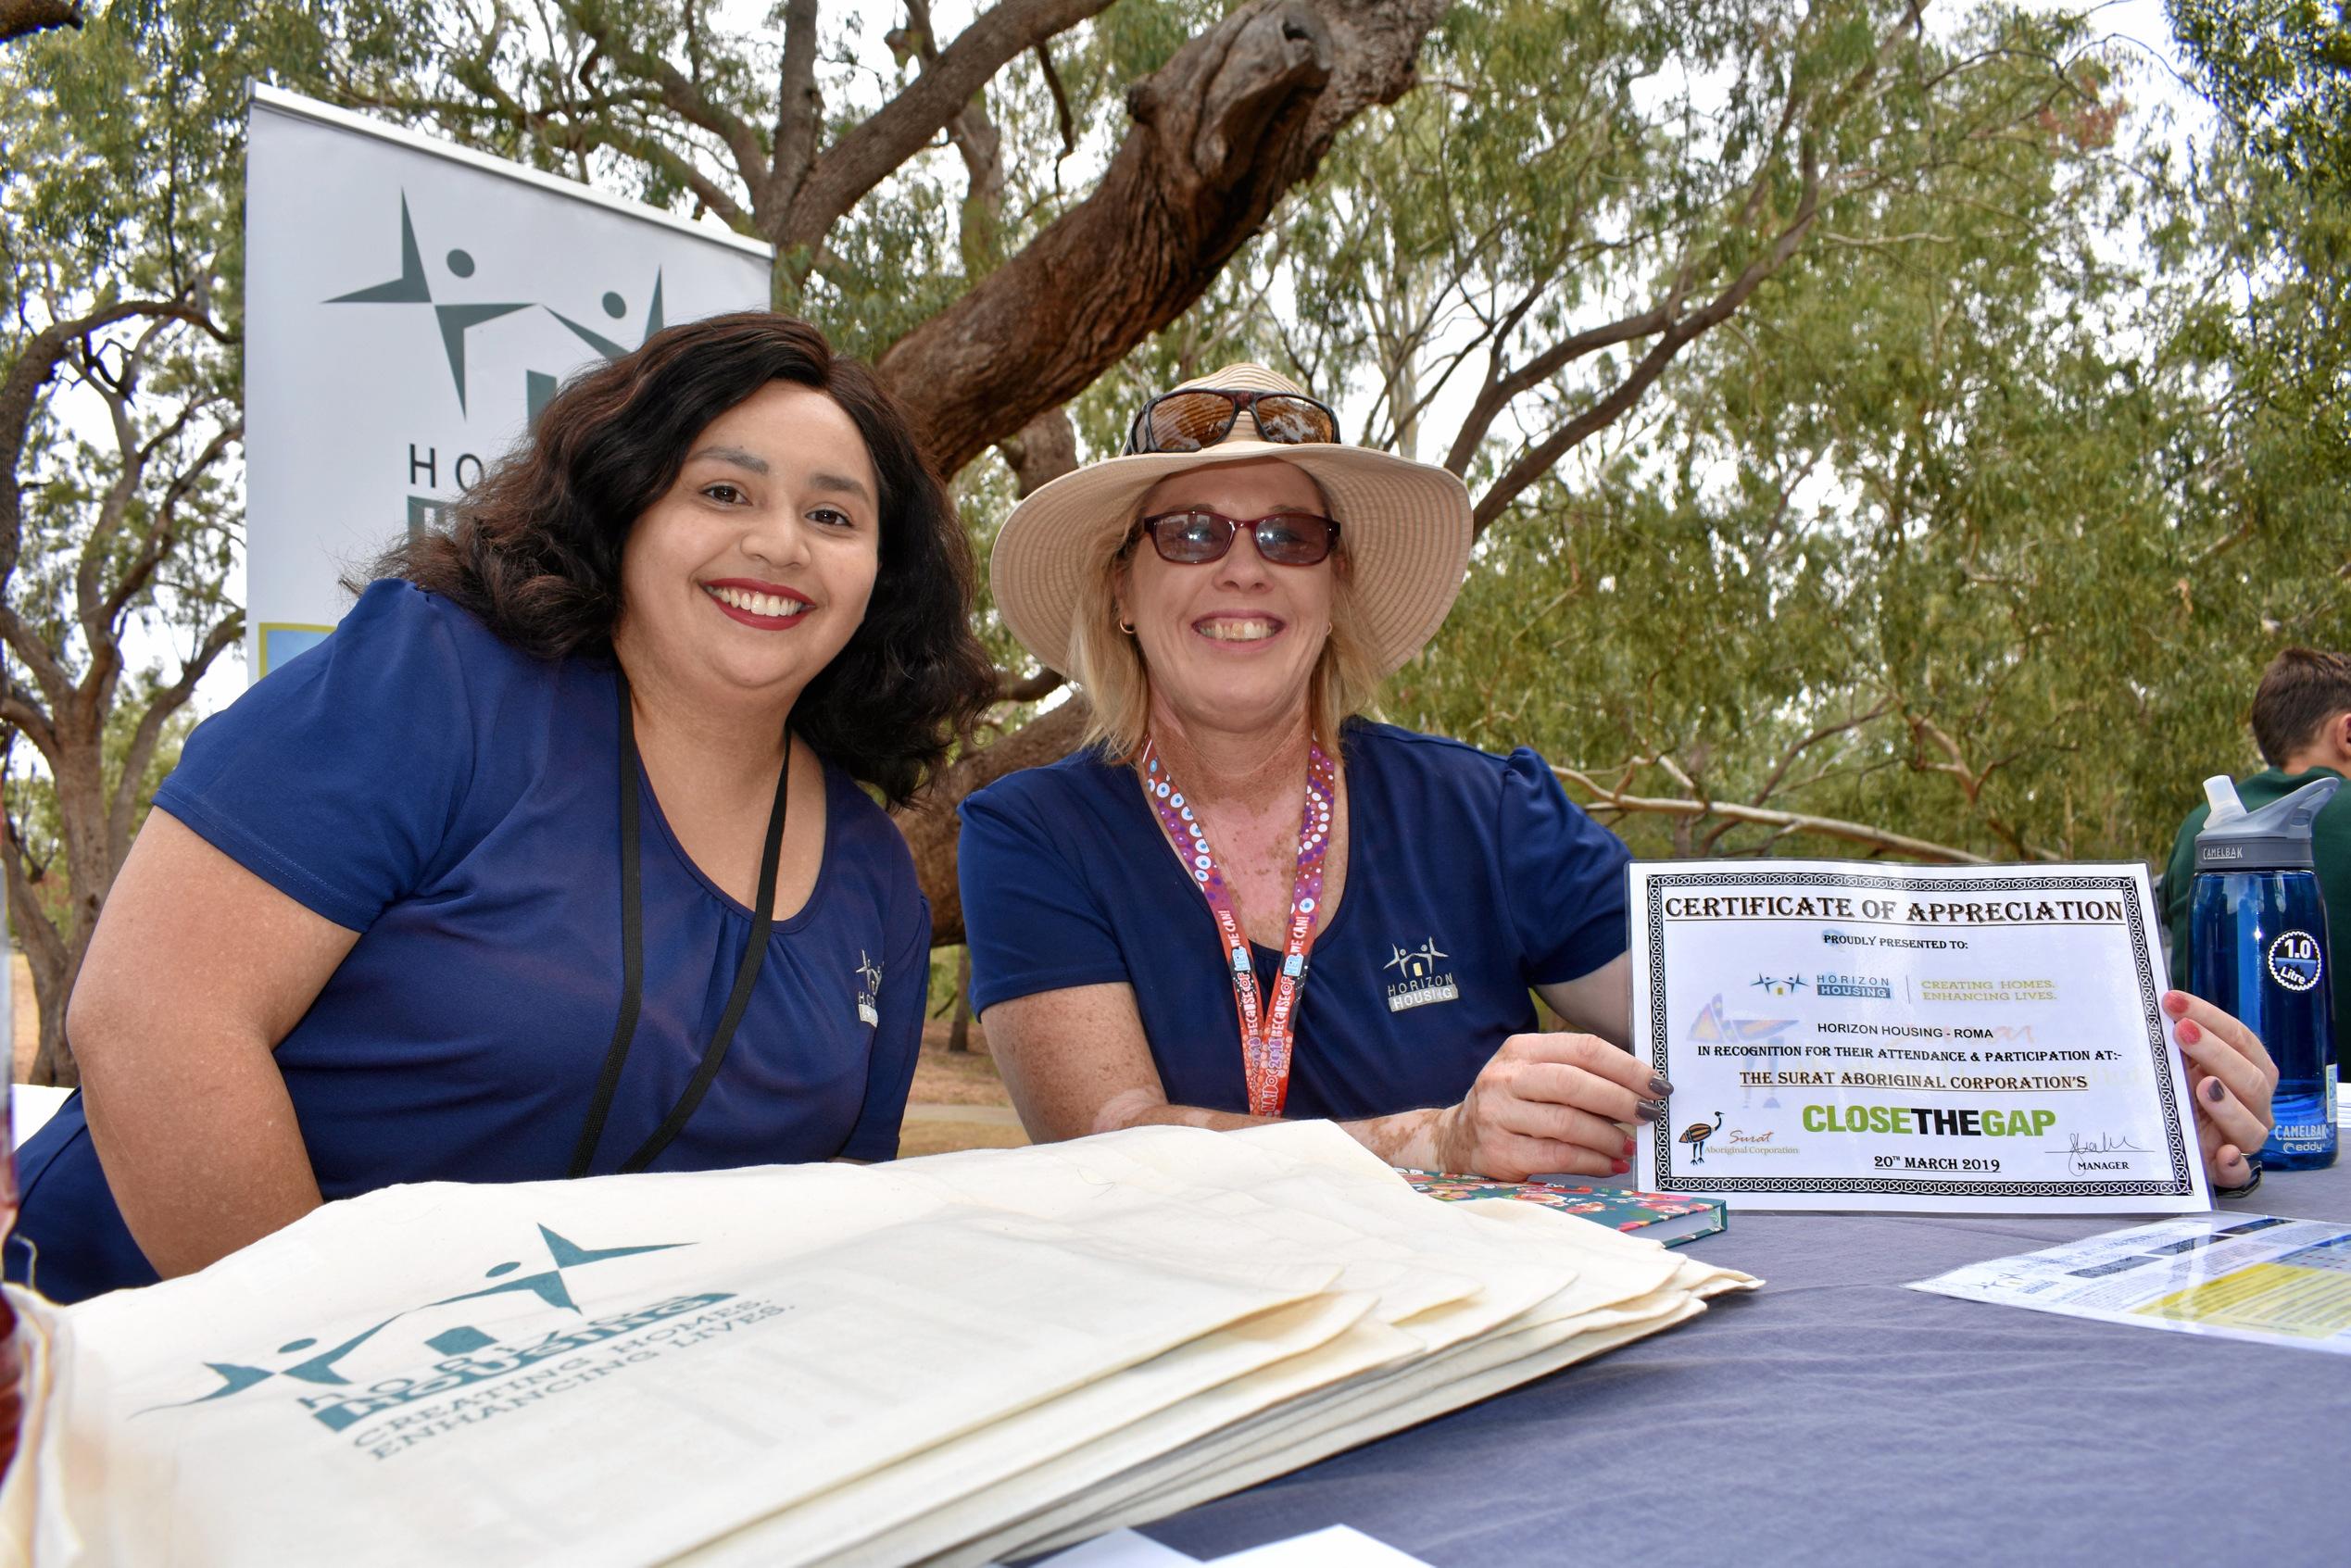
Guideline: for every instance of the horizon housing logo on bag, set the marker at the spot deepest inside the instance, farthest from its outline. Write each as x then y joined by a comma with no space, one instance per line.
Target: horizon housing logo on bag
478,1376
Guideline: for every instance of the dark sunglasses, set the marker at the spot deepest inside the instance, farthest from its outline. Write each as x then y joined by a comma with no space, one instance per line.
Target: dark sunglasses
1203,416
1195,537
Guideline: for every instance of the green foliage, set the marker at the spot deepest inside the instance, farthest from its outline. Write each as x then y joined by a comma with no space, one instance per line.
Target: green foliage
1947,534
1972,524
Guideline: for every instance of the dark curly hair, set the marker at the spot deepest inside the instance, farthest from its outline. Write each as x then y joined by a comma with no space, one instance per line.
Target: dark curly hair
535,550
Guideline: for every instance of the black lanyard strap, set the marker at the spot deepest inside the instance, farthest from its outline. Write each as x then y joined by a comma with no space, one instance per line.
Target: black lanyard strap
747,973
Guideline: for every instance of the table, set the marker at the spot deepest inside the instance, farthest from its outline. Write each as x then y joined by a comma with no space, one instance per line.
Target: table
1836,1418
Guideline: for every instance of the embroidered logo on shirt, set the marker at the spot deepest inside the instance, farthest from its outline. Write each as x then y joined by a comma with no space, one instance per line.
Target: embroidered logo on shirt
1419,982
869,976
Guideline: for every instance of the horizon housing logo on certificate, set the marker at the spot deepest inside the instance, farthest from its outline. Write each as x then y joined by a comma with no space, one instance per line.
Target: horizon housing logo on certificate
1843,1034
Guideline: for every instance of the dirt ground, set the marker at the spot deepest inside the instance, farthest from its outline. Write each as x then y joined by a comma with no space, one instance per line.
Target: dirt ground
957,1102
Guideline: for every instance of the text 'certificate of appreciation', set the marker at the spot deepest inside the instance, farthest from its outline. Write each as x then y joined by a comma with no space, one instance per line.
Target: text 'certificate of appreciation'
1946,1039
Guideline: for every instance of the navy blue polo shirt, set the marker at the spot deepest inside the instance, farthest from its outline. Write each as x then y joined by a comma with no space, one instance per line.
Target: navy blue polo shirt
456,802
1470,877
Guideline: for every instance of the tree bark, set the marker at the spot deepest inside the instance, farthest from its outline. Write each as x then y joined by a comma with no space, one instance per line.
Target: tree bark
1239,117
958,1033
20,19
930,823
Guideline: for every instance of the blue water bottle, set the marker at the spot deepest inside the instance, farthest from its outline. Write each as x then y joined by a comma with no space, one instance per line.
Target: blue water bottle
2258,945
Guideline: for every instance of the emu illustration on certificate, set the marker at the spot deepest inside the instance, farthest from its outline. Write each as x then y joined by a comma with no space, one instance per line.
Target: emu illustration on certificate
1938,1039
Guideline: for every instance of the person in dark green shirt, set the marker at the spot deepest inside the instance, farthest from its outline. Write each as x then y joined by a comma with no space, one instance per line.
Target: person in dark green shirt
2302,722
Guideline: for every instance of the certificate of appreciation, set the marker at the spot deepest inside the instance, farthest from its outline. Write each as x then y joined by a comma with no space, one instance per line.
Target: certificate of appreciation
1841,1034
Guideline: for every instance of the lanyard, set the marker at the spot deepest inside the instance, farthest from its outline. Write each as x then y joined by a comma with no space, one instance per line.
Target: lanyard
1267,1037
747,973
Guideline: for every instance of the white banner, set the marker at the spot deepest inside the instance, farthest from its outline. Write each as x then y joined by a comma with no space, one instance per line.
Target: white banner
408,306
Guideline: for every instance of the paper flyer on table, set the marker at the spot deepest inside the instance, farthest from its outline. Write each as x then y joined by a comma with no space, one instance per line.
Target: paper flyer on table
1941,1039
2233,1276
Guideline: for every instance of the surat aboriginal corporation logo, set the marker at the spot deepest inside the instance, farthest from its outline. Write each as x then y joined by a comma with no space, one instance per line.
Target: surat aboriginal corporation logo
366,1383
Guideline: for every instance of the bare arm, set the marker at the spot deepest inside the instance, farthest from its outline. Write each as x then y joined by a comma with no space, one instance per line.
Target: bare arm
197,970
1076,1061
1599,1003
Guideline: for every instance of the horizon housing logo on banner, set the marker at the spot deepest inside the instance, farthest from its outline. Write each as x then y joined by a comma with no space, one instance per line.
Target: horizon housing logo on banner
410,307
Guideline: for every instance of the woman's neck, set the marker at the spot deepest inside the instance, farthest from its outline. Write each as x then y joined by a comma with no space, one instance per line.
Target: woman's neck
734,746
1253,768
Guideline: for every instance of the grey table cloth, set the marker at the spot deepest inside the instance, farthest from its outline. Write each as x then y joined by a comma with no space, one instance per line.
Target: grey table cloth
1838,1418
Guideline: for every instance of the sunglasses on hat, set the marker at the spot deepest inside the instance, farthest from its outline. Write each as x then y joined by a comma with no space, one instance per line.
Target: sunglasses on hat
1197,537
1192,418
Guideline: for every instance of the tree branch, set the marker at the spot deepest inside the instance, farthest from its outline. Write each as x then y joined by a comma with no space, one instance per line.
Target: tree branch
1540,458
929,824
1792,821
1499,390
1239,117
225,634
159,538
22,711
679,94
1027,688
871,151
1673,328
1040,452
800,109
21,395
21,18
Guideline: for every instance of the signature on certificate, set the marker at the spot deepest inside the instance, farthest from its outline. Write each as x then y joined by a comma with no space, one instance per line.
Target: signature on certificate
2099,1151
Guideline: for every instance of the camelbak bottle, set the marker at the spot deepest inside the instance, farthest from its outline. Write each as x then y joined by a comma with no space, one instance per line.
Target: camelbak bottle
2257,943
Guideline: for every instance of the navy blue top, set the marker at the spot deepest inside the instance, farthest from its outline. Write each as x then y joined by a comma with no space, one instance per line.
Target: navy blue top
1470,878
456,802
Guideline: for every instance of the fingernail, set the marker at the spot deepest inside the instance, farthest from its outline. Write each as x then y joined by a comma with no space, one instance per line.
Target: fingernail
1630,1147
1650,1110
1620,1167
2187,1032
1659,1088
2175,1002
2213,1091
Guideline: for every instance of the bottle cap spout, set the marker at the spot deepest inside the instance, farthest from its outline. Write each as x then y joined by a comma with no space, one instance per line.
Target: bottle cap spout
2276,837
2221,794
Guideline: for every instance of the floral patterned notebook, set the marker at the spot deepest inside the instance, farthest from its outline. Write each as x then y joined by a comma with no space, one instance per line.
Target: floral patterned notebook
1657,1215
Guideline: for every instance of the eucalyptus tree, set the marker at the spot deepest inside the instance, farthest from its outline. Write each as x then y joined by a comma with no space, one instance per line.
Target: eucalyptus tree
1966,541
1508,224
120,426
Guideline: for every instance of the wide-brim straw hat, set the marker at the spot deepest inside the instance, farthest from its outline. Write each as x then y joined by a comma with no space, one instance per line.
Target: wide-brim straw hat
1404,528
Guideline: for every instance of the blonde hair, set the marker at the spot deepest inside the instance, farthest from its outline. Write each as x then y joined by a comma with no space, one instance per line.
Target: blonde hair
1106,663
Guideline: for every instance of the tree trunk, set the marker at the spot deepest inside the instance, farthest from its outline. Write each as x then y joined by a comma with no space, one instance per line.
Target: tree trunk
53,1061
1237,117
930,823
54,953
20,19
958,1033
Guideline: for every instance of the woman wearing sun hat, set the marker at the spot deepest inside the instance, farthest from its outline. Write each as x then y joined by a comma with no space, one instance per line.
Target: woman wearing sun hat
1227,594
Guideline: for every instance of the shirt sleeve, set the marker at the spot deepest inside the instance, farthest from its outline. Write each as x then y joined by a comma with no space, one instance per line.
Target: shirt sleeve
1563,873
1032,922
898,1039
336,778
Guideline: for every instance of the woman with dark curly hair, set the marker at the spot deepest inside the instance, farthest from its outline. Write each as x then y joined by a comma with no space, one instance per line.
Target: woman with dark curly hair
552,861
